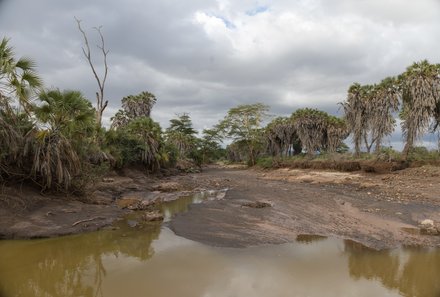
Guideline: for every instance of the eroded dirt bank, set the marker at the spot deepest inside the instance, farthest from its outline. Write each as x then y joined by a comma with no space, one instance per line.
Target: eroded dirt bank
260,207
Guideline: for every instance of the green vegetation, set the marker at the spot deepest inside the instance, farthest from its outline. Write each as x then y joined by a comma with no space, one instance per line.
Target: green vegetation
54,139
242,124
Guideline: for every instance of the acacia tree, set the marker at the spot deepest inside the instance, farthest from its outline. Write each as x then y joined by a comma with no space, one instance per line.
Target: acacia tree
420,97
243,124
101,103
210,147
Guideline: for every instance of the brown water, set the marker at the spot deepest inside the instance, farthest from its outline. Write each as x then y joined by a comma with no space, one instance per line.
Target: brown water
149,260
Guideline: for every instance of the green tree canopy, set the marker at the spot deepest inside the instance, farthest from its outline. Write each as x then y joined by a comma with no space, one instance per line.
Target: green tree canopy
243,124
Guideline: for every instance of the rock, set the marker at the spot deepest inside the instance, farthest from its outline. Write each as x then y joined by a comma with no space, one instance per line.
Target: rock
167,187
257,204
427,223
427,227
128,202
108,179
152,216
132,223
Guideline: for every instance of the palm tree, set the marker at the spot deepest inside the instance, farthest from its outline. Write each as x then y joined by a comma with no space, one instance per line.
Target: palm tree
383,102
120,119
149,136
281,137
68,121
310,125
356,113
420,97
181,134
133,106
139,105
18,79
67,111
336,132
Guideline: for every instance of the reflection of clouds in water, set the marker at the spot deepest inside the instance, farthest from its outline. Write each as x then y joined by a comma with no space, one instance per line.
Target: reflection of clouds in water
152,261
294,270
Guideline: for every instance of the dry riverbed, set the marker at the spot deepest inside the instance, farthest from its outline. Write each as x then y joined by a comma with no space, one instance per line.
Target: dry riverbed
260,207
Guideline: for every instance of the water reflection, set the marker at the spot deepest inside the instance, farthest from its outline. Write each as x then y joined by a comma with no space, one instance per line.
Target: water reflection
169,209
411,271
144,259
71,265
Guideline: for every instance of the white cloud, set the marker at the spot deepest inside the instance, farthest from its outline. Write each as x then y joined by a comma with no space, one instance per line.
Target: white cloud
205,56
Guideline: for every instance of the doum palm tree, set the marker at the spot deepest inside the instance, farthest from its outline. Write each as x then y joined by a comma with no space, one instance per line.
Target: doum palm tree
420,97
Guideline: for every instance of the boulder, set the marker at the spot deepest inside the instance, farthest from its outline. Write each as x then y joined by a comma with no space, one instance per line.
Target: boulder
153,216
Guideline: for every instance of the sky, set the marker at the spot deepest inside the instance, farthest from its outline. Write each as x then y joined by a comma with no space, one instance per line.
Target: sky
205,56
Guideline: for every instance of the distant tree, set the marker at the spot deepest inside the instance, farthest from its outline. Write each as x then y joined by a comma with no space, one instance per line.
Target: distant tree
149,135
182,135
133,106
134,137
356,113
369,111
210,146
382,104
281,137
139,105
336,132
420,97
243,124
319,131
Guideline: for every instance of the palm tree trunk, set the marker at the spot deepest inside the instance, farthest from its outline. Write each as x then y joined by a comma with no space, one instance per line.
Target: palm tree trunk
378,145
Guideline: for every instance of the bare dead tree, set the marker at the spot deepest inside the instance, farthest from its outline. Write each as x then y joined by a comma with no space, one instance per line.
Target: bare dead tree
101,104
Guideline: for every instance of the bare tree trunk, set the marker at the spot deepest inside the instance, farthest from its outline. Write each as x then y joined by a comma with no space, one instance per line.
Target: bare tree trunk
101,104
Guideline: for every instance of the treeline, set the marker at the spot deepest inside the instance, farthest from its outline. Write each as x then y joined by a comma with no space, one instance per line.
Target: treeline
369,117
54,138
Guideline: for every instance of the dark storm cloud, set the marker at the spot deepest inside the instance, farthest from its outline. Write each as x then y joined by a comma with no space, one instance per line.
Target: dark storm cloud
206,56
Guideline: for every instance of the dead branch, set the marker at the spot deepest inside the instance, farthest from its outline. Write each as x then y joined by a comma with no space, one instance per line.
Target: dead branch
87,220
100,103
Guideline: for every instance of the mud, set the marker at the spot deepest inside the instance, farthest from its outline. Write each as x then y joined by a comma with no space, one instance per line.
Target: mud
372,209
378,210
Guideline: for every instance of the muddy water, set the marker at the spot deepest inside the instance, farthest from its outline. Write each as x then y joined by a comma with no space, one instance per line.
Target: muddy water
149,260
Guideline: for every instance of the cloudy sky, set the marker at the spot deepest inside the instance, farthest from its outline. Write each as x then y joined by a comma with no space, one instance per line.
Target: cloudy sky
206,56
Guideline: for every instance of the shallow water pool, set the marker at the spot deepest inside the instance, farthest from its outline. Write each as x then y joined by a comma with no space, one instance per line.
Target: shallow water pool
147,259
